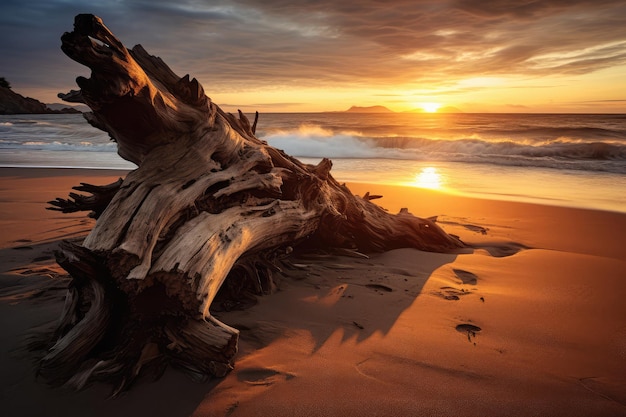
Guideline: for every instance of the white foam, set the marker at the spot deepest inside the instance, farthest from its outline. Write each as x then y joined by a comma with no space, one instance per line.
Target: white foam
310,141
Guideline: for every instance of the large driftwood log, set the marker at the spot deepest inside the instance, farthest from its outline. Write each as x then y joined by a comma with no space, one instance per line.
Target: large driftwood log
208,202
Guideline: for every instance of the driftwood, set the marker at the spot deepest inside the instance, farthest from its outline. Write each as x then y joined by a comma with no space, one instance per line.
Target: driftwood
209,203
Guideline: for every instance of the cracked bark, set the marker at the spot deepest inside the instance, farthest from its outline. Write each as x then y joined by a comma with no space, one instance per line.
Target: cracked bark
209,202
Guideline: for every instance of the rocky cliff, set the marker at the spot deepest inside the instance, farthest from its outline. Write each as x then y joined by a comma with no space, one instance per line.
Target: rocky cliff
14,103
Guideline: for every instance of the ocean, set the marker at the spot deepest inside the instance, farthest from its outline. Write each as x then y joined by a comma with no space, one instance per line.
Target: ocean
574,160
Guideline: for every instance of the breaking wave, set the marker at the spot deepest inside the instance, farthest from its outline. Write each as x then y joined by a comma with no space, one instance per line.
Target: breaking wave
79,146
579,142
313,141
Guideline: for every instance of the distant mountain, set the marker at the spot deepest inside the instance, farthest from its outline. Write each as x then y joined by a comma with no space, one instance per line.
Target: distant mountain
60,106
14,103
370,109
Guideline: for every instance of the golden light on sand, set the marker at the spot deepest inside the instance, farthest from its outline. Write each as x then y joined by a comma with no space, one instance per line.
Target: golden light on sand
430,107
428,178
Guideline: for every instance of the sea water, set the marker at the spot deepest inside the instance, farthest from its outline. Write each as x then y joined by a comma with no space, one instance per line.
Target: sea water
559,159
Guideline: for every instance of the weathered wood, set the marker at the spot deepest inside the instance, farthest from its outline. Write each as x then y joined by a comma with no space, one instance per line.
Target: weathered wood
101,196
209,203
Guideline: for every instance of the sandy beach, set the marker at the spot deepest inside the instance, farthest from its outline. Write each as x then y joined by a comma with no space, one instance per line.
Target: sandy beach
529,321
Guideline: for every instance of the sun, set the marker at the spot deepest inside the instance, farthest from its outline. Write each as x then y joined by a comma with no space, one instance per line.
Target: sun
430,107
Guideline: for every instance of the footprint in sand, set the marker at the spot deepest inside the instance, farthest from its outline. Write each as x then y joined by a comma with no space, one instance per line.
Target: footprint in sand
379,287
451,293
262,376
503,250
455,294
476,228
468,278
470,329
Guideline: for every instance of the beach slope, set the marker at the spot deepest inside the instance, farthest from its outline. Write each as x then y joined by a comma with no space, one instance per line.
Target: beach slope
529,321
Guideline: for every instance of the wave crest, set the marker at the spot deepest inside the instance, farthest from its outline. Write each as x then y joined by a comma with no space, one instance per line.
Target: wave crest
316,142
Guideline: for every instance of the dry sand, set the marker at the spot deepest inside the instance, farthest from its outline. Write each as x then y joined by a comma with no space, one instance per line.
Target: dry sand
531,322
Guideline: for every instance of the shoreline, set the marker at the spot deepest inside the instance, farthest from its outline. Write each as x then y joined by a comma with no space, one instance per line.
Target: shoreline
519,157
545,285
612,207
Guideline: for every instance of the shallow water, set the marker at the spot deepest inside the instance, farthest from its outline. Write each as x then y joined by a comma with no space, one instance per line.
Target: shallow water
571,160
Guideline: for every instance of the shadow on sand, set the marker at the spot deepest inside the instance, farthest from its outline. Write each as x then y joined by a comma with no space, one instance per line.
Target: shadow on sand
32,293
325,293
320,294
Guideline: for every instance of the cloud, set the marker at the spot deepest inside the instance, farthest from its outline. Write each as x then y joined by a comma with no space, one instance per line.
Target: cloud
606,101
517,106
246,44
463,37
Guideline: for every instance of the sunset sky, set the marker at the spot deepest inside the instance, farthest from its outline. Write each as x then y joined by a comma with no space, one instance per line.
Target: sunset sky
318,55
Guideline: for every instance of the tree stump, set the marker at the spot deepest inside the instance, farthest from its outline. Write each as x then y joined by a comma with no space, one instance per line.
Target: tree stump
209,202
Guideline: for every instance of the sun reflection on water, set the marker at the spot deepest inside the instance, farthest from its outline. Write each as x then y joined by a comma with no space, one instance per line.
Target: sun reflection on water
429,177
